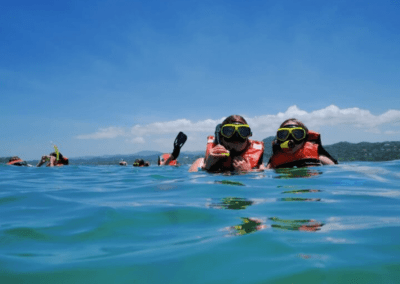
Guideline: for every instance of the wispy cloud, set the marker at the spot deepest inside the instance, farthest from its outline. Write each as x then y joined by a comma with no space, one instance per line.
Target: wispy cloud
105,133
265,124
137,140
391,132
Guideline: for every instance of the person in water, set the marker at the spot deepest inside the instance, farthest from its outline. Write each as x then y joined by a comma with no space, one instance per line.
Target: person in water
231,149
17,161
296,146
171,159
123,163
55,159
141,163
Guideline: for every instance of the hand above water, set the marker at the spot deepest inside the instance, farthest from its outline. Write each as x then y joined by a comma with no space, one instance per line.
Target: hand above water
240,164
216,154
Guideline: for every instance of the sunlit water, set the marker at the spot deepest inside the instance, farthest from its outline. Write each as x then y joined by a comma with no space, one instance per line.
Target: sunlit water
111,224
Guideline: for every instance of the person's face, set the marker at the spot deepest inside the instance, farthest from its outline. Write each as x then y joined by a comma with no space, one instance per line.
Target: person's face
236,142
297,145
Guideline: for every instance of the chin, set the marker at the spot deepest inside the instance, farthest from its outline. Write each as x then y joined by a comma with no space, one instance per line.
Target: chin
237,146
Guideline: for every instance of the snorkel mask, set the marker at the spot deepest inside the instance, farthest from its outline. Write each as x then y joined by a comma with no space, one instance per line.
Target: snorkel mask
297,133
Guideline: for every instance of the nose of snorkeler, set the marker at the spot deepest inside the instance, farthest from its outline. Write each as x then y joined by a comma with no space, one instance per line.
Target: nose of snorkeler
236,138
288,144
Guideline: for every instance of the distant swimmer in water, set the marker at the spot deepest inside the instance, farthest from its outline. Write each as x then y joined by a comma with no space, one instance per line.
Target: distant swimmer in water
123,163
231,149
17,161
170,159
141,163
296,146
55,159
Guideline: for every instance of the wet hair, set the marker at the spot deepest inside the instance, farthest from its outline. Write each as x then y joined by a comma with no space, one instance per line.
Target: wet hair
54,154
301,124
61,159
234,118
146,164
15,158
138,162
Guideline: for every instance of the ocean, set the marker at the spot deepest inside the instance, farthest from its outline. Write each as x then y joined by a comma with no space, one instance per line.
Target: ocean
112,224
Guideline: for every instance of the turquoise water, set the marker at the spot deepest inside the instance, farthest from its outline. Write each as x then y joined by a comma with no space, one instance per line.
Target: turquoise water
111,224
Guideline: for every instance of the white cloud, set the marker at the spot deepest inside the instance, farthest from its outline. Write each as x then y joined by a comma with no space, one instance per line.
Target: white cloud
138,140
104,133
331,115
264,125
391,132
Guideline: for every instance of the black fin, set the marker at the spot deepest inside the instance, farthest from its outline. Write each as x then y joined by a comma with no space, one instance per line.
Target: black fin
178,143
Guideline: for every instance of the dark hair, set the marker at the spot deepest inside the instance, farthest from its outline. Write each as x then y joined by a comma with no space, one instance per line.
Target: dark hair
296,121
54,154
234,118
61,158
15,158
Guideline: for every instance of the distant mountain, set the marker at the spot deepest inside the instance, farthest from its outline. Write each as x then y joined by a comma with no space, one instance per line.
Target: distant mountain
4,160
342,151
365,151
150,156
268,147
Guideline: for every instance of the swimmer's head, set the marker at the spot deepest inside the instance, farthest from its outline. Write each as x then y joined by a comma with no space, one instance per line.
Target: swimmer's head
236,142
290,141
234,119
15,158
138,163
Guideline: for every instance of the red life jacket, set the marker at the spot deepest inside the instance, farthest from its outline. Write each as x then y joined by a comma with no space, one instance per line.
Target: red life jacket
164,157
252,154
14,162
306,155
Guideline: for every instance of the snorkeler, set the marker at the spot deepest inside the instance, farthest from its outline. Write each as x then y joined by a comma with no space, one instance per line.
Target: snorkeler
17,161
170,159
231,149
141,163
296,146
55,159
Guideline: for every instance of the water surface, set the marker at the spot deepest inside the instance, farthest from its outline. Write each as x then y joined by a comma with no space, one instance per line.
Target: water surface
111,224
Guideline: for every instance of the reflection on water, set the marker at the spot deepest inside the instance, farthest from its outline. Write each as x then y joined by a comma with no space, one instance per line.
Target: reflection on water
249,225
299,191
228,182
234,203
296,225
299,199
286,173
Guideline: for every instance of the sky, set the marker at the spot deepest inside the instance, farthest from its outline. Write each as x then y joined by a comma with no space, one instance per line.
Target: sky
117,77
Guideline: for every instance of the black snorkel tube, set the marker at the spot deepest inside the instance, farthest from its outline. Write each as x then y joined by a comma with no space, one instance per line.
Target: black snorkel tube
217,134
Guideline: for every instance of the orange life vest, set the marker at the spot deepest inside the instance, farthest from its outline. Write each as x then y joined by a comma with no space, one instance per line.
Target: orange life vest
164,158
306,155
253,154
14,162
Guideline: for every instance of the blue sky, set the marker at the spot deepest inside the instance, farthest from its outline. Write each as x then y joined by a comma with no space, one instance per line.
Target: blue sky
117,77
